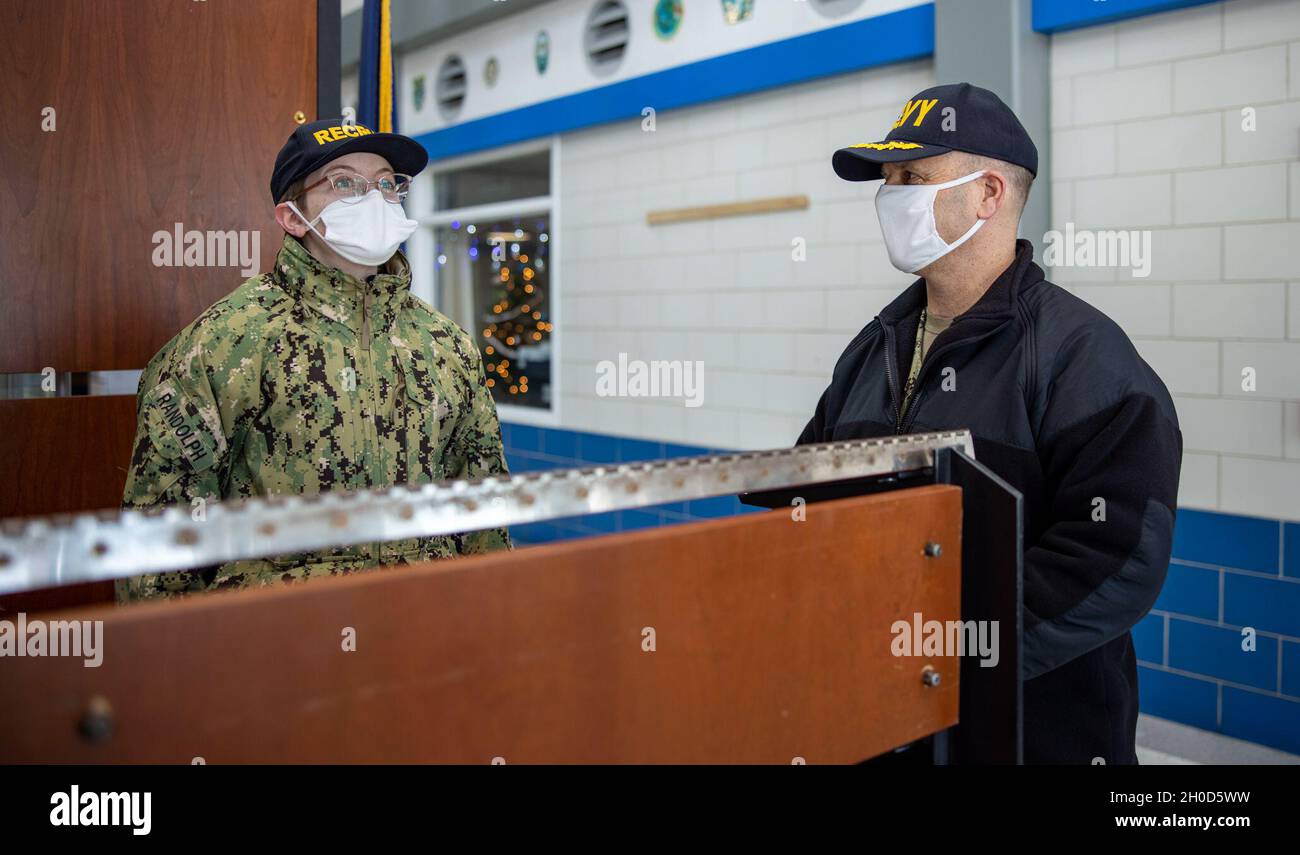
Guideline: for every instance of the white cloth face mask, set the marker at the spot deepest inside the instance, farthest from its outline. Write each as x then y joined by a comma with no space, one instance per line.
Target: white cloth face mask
366,231
906,214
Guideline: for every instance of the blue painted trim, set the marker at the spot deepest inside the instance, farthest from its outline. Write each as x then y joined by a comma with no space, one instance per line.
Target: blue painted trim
1057,16
894,37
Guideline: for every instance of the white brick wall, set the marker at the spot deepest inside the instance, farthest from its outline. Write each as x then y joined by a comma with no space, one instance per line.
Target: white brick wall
1147,132
724,291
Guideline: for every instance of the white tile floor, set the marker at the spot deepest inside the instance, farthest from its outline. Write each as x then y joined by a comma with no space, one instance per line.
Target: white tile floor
1166,743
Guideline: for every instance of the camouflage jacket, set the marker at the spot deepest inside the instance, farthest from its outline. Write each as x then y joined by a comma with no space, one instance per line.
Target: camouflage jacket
305,380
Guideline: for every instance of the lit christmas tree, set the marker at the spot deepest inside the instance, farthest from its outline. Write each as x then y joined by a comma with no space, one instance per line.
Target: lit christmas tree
514,323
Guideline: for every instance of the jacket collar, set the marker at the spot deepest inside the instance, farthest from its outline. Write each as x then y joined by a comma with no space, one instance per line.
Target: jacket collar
997,303
339,296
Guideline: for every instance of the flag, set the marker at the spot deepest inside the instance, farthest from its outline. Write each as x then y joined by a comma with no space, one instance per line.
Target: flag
377,101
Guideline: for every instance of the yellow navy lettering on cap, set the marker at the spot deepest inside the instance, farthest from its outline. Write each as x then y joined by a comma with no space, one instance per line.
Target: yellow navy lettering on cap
921,108
338,132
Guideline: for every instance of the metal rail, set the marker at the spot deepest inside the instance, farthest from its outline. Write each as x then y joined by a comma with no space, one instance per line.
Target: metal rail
43,552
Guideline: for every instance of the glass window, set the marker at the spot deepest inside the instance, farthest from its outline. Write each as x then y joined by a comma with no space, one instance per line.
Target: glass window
521,177
494,280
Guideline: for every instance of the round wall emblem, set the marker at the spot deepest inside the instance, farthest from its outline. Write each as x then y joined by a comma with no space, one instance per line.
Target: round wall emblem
735,11
667,18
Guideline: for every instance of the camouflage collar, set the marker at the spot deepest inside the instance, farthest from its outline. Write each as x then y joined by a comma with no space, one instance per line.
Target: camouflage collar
338,296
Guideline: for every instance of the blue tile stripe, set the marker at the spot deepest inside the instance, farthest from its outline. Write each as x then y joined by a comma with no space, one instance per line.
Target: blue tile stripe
1225,540
1227,654
1190,591
1178,697
1246,569
1257,717
1056,16
1192,667
1291,550
532,449
894,37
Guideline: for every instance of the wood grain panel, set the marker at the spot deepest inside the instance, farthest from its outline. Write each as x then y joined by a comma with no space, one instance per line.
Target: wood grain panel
772,642
165,112
64,454
61,455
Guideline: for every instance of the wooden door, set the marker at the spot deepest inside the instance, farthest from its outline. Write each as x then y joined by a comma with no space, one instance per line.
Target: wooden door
124,118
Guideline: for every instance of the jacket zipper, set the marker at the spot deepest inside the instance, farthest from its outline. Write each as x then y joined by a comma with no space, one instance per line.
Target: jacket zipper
904,424
365,318
371,382
889,375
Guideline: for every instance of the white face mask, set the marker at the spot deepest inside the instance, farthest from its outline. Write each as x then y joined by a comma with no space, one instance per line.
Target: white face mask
367,231
906,213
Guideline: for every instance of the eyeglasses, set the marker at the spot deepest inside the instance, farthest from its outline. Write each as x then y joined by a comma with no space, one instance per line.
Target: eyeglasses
350,186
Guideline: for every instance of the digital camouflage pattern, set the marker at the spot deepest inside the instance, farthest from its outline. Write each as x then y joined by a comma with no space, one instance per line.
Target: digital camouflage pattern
305,380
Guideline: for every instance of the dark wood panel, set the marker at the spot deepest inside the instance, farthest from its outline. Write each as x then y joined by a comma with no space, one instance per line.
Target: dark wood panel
60,455
53,599
166,112
64,454
773,641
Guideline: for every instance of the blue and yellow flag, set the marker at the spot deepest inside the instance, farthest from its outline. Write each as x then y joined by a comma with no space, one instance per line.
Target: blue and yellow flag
377,104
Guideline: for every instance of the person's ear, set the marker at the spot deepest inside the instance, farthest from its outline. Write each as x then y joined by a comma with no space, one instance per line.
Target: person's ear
289,221
993,193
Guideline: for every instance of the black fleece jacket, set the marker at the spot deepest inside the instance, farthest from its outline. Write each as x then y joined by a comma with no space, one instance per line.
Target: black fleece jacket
1061,406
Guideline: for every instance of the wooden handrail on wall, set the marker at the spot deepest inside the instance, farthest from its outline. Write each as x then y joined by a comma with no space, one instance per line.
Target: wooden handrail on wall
729,209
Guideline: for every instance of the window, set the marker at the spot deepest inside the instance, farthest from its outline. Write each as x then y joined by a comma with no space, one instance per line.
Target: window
488,241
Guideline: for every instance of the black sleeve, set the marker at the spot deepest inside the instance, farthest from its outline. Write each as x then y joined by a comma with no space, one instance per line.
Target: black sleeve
1113,474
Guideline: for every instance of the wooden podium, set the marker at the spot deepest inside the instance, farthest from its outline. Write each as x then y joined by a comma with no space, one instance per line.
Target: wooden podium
762,638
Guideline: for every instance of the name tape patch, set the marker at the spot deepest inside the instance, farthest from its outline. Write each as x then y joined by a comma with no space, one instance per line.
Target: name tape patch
183,424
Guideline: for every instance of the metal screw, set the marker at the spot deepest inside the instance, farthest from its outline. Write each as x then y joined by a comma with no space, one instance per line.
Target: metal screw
933,550
929,677
97,721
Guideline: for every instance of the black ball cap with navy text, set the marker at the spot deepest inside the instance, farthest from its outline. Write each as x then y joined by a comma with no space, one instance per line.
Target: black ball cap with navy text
315,144
952,117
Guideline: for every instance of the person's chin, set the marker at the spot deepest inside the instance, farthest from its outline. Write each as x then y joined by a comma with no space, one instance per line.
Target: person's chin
930,269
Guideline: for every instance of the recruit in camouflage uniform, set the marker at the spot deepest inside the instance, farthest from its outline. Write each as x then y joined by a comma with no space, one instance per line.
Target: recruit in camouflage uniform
305,380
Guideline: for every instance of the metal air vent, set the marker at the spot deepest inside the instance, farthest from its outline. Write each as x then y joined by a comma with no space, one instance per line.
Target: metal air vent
606,36
452,86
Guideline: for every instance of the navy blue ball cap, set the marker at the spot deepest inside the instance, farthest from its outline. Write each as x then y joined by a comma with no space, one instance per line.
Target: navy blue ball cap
314,144
952,117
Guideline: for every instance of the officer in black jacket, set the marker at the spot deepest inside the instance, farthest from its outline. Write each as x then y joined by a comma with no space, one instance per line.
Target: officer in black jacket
1059,403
